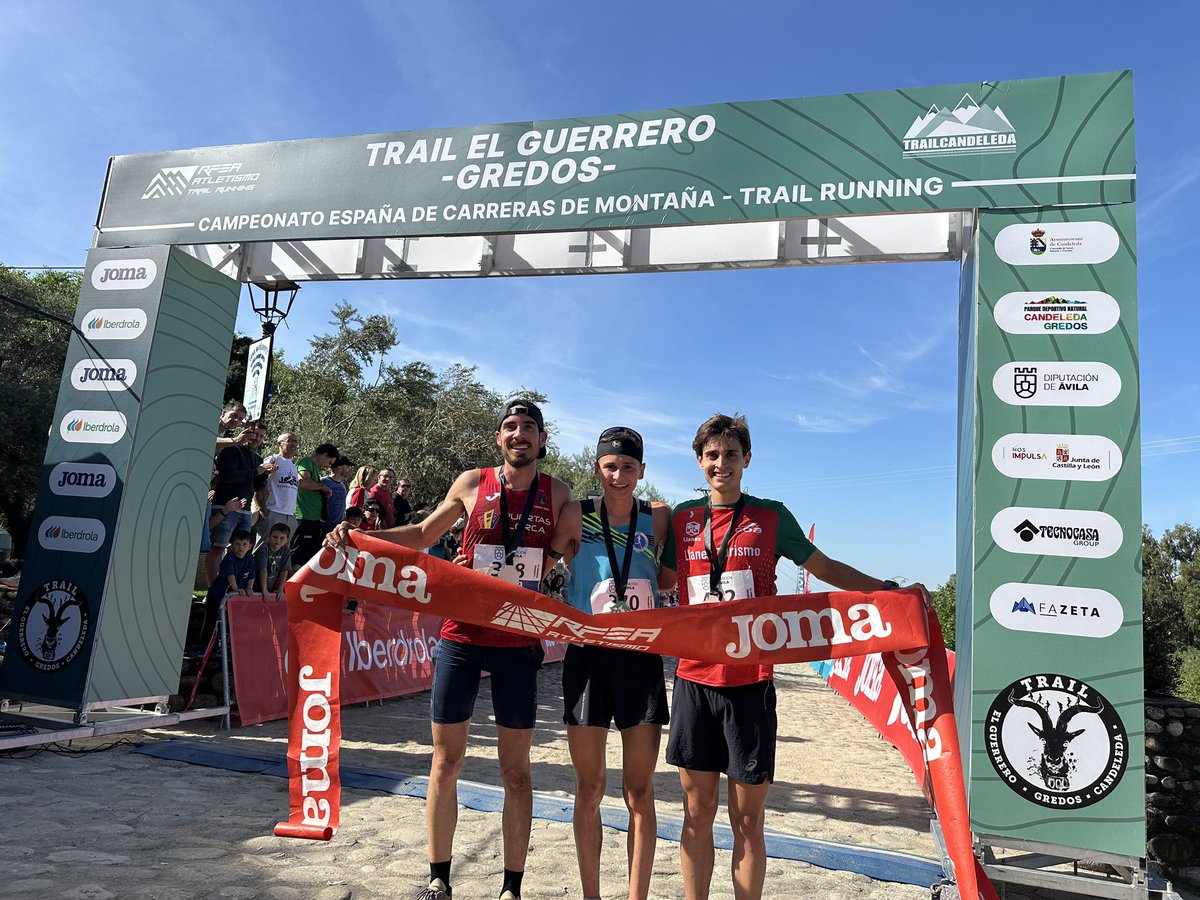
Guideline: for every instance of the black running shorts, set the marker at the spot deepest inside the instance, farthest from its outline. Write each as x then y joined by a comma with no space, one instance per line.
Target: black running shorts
602,685
724,729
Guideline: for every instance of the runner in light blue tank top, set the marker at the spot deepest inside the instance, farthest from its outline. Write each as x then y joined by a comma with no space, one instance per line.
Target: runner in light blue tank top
612,573
592,588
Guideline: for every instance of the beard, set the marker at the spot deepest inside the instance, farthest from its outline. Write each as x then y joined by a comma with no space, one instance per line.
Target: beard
520,459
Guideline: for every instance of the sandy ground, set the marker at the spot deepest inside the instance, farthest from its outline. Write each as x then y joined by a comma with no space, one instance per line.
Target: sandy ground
125,825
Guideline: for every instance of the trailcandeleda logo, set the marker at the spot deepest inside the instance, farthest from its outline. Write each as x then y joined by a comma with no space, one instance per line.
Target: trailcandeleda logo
969,129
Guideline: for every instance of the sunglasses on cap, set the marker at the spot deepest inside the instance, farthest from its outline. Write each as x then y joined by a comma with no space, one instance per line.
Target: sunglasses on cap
620,431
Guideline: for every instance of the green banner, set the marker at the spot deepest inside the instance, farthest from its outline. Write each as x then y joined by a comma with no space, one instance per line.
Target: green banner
1037,142
1054,660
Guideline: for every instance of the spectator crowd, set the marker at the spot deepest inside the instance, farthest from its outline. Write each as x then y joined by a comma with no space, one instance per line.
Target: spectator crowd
268,515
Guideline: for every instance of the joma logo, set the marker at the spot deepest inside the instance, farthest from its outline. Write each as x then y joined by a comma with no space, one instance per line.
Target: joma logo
364,569
124,275
806,628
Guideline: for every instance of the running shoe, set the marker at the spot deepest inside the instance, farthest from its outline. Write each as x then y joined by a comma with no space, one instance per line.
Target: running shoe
437,890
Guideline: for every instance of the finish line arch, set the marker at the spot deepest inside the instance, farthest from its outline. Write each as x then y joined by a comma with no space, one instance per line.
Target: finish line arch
1028,184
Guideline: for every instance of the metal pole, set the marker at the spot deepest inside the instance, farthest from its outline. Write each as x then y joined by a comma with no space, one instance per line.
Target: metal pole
222,623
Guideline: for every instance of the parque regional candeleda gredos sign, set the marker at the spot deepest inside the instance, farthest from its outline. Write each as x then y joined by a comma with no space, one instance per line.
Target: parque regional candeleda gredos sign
980,145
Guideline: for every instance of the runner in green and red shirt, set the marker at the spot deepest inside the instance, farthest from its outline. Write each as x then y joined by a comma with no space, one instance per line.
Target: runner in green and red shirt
725,547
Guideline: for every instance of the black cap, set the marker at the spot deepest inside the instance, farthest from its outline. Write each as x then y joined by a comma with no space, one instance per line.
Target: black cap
625,441
343,461
522,407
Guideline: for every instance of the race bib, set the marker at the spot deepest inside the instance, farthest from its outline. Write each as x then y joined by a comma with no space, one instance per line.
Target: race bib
639,594
733,586
525,569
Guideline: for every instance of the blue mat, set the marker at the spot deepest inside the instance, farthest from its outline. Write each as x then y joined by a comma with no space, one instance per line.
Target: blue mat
882,865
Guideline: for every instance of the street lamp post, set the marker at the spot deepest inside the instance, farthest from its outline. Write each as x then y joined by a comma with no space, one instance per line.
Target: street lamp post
272,301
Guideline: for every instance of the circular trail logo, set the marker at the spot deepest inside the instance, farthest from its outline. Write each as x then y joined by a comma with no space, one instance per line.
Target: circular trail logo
53,625
1056,741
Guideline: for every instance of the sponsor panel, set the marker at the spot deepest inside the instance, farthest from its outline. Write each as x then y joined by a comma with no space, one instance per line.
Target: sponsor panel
1057,457
1057,244
72,479
103,375
53,625
114,324
1057,313
90,426
1055,609
75,535
1055,383
1085,533
1056,741
124,274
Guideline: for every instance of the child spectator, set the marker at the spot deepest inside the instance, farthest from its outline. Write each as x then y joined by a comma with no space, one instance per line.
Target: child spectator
273,563
354,518
372,516
234,577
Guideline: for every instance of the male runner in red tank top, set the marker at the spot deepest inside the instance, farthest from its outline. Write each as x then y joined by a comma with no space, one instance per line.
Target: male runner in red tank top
517,521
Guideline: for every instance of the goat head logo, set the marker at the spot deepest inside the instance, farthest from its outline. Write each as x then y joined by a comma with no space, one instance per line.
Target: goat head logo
1056,741
53,625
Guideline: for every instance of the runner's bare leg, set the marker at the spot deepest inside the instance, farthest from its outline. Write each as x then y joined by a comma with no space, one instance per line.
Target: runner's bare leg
746,805
639,746
517,819
696,841
587,745
441,804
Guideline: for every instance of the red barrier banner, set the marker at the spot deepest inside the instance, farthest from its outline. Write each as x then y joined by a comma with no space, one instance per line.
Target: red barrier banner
802,628
864,682
385,652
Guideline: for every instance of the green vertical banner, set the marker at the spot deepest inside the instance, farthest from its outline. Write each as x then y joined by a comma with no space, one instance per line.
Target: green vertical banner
1053,560
106,585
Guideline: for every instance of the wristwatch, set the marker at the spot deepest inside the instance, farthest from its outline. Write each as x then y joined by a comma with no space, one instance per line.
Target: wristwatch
890,585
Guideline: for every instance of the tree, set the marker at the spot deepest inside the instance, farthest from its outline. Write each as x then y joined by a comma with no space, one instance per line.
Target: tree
1170,606
33,349
945,604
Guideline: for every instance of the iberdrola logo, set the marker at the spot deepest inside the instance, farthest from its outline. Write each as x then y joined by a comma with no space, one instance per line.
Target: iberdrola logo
75,425
969,128
53,532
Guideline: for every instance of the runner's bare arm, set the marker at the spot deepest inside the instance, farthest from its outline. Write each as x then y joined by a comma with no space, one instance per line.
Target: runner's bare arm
667,579
842,576
459,501
568,529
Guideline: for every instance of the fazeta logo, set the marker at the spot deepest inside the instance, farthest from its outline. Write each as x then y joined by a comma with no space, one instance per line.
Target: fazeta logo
1055,609
71,534
77,479
192,181
124,274
86,426
970,128
1088,534
103,375
114,324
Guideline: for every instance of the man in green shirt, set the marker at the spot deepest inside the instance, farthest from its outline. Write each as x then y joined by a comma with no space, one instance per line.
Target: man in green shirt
309,502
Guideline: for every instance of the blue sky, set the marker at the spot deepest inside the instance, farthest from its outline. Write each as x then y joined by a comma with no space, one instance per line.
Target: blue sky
847,374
